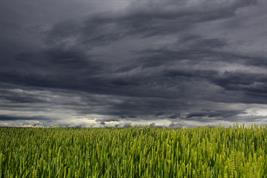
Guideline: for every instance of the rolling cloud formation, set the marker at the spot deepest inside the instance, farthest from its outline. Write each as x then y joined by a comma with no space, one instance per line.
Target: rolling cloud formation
105,63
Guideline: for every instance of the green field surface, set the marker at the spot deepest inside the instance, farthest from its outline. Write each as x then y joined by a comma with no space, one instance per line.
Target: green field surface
133,152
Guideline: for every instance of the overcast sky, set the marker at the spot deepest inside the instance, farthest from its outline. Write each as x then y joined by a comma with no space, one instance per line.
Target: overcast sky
98,63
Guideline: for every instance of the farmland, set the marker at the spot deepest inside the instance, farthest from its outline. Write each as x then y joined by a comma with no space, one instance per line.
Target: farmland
133,152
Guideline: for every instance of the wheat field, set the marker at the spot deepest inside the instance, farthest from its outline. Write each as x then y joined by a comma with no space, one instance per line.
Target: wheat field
133,152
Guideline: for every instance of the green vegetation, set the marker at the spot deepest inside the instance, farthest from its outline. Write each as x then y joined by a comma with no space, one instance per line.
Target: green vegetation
133,152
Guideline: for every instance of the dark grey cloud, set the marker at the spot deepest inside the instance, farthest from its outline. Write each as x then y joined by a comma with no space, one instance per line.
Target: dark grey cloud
117,62
221,114
144,19
19,118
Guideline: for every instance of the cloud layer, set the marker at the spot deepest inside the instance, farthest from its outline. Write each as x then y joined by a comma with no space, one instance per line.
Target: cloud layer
120,63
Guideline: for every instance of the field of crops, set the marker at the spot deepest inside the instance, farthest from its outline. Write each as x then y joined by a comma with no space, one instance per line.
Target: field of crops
133,152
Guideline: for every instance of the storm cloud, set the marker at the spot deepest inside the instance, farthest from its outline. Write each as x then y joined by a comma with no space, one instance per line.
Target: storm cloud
136,62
